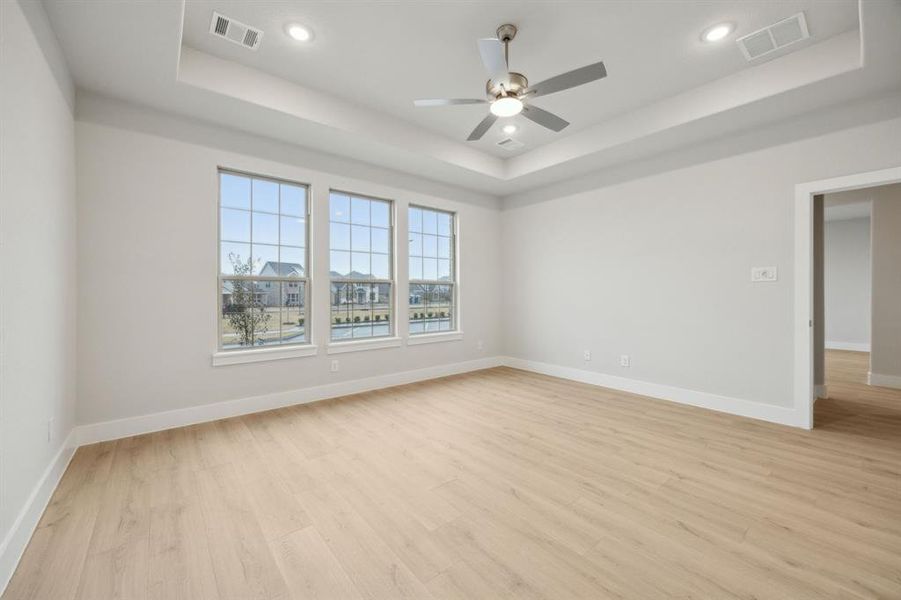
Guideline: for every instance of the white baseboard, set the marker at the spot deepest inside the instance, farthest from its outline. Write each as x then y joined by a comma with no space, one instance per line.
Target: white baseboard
877,379
111,430
13,546
853,346
735,406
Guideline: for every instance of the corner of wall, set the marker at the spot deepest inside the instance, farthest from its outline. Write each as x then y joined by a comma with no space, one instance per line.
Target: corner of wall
19,534
39,22
37,357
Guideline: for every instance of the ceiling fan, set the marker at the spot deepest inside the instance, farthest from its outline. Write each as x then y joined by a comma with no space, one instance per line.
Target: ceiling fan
509,93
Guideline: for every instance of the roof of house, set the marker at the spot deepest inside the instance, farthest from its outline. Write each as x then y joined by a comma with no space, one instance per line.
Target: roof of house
352,275
282,269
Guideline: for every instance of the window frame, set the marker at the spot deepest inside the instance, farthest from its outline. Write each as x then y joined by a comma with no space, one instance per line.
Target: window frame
374,341
223,355
454,282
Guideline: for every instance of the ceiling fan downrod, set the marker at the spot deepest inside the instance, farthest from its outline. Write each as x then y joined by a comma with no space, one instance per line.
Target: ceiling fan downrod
506,33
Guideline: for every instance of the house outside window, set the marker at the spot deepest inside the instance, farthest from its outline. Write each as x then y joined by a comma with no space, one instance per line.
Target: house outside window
361,267
263,265
432,247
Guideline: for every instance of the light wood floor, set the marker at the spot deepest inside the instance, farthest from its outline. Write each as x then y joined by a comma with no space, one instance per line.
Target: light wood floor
496,484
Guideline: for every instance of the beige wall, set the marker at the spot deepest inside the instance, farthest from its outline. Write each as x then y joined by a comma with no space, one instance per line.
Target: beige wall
885,358
848,283
37,267
659,268
147,222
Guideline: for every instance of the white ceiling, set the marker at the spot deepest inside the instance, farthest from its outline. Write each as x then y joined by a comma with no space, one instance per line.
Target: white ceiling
350,92
383,55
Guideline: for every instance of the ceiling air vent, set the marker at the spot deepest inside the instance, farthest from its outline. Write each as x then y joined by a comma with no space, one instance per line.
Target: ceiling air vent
775,37
510,144
235,31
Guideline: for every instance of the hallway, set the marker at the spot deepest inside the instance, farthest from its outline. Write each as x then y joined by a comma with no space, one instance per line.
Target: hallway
853,407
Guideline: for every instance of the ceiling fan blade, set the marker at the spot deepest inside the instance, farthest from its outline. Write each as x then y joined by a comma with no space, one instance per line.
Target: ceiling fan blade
492,51
482,128
544,118
447,101
568,80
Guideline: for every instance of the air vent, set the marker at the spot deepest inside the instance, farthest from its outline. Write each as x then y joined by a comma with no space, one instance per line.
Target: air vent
775,37
235,31
510,144
251,37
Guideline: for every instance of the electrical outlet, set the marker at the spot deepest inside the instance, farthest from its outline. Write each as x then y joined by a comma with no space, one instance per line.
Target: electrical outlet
625,360
480,345
50,429
334,366
586,354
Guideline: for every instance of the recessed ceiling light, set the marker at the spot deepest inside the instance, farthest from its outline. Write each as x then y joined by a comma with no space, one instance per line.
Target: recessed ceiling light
717,32
506,106
299,32
509,129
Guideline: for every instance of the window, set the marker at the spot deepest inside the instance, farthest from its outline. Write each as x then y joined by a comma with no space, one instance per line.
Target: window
263,271
361,267
432,278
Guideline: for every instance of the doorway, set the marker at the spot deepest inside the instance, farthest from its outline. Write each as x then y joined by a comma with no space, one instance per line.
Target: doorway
819,209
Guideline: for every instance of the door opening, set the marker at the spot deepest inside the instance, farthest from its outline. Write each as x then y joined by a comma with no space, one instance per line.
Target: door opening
840,308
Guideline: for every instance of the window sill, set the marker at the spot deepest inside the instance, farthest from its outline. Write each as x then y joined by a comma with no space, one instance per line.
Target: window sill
432,338
236,357
357,346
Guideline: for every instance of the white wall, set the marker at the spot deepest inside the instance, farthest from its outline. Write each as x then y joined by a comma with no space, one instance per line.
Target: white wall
37,270
885,356
658,268
147,224
847,283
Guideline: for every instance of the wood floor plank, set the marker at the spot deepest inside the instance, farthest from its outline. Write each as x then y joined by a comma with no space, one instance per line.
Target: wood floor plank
406,537
181,566
373,567
492,484
242,561
311,570
54,559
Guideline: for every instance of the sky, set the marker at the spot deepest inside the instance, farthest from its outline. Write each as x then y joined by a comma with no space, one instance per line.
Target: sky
267,220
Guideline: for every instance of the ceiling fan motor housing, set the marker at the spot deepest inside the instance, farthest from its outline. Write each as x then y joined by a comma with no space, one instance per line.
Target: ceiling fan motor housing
506,33
512,84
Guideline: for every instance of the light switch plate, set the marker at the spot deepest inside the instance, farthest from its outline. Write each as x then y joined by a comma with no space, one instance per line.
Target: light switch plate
764,274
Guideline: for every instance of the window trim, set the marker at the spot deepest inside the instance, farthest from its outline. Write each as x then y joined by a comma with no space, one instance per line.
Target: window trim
352,344
275,351
360,344
448,334
432,337
262,354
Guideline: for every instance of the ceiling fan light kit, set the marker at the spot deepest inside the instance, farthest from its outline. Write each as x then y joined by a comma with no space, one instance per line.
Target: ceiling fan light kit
509,93
506,106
